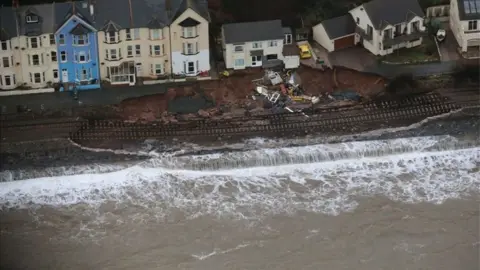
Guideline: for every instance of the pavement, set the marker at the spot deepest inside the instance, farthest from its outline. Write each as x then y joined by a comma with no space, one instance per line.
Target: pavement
64,100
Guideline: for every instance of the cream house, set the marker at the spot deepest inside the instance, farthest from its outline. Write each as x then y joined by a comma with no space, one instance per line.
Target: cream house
465,23
381,26
29,40
190,40
256,44
133,40
8,79
151,40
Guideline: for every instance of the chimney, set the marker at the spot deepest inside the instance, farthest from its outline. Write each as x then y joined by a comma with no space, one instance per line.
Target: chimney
168,8
131,13
15,3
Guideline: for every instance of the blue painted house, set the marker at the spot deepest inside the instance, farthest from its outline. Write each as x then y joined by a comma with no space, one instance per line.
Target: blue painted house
77,50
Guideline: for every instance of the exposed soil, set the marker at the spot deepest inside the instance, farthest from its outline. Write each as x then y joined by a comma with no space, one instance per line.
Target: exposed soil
232,95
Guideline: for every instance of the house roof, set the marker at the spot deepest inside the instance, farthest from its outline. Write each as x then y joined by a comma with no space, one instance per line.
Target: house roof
46,19
390,12
8,28
199,6
339,26
468,10
252,31
144,13
290,50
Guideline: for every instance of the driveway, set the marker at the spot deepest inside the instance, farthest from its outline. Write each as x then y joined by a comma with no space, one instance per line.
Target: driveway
448,48
357,58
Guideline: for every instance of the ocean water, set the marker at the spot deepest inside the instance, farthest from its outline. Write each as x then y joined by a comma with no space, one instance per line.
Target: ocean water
390,202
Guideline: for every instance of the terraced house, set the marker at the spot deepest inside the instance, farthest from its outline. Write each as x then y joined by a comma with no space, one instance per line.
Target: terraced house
77,48
152,39
79,44
28,41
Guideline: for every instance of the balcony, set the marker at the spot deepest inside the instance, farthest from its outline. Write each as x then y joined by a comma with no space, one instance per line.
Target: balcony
363,34
414,35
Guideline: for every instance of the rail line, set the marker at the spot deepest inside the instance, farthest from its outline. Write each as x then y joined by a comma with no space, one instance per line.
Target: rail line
320,119
136,132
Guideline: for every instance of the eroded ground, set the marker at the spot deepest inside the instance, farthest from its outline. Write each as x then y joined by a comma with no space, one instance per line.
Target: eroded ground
232,96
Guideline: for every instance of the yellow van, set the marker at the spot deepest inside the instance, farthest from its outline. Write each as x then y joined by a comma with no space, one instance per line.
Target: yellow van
305,51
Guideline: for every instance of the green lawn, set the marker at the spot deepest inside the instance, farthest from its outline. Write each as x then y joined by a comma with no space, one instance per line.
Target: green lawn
423,53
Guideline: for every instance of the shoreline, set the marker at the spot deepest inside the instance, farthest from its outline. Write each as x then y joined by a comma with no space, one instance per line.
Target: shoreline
110,160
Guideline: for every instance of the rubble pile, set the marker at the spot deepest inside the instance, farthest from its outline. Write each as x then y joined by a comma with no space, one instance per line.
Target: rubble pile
273,92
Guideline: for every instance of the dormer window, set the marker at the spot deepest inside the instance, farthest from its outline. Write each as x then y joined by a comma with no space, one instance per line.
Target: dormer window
111,37
288,39
80,40
189,32
31,18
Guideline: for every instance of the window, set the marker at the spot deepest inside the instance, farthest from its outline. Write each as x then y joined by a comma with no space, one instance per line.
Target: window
157,69
36,77
31,18
53,56
129,51
80,40
52,39
9,80
136,33
137,50
155,50
55,73
398,30
369,30
472,25
156,34
256,45
113,54
35,60
189,32
238,49
61,39
272,57
4,45
189,67
358,20
189,48
288,39
128,35
63,56
34,42
239,62
5,62
111,37
82,57
272,43
84,74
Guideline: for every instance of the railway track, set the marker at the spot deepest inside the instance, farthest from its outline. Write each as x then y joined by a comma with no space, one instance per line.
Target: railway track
320,119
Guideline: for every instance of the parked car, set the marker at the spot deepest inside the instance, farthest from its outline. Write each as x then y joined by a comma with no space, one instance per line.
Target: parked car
305,51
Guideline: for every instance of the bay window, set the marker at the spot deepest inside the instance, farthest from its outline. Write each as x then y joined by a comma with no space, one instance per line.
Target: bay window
189,32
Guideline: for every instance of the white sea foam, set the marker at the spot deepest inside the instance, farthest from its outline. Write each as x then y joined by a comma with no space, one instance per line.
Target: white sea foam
330,185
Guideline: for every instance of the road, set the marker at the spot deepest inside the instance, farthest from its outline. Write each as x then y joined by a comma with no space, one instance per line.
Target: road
64,100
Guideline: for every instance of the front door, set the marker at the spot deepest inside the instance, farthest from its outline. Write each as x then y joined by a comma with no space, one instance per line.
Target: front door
64,75
131,79
256,61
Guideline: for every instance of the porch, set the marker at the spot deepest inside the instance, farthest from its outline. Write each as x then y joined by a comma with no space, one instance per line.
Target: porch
122,74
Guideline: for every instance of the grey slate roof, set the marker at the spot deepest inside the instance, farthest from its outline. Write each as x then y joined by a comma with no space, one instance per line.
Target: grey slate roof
8,27
46,22
339,26
468,17
287,30
107,14
144,13
390,12
252,31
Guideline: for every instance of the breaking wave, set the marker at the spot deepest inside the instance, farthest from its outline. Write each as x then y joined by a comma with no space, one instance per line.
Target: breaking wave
326,178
